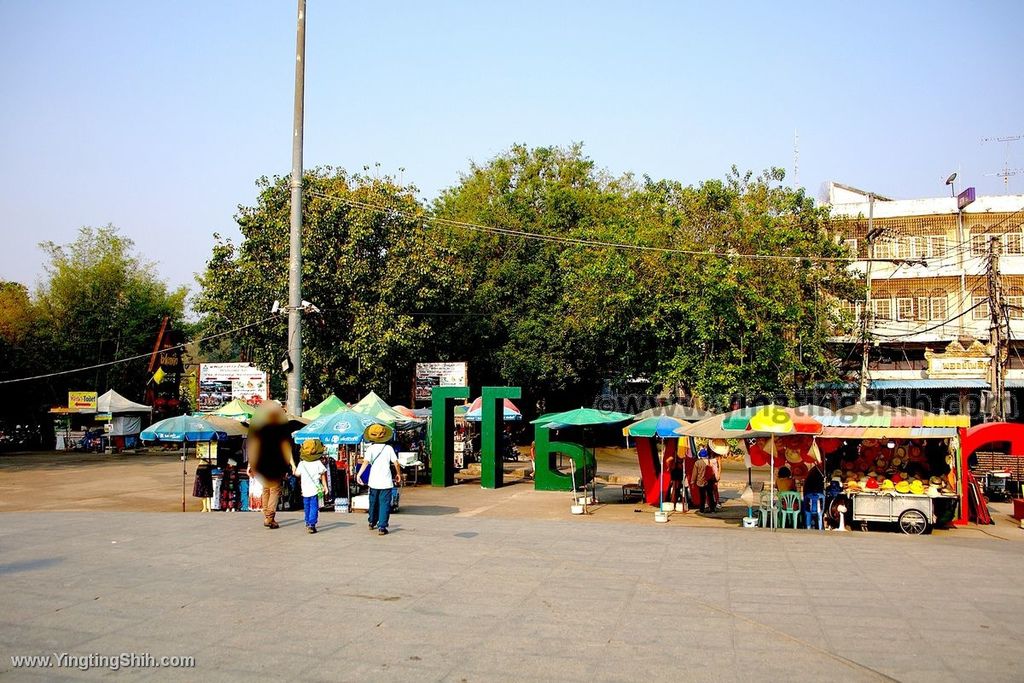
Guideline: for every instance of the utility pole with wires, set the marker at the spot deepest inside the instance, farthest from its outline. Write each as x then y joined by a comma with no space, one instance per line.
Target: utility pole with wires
997,315
292,364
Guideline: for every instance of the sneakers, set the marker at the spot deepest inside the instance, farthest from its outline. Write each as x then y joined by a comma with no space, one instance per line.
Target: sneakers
372,527
382,532
311,529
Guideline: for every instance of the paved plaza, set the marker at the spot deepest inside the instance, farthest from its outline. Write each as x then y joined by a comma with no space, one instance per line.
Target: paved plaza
464,597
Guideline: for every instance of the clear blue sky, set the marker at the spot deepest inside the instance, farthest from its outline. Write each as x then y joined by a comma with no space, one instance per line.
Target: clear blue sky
158,117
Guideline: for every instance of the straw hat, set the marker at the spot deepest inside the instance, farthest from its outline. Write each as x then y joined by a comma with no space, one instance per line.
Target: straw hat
933,491
719,446
378,433
903,487
887,485
916,487
311,450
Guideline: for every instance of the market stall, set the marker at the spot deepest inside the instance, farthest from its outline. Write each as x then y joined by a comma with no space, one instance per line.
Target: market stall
125,419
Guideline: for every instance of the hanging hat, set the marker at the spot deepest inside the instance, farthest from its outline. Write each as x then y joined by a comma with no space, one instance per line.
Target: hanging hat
719,446
917,488
311,450
887,485
378,433
903,487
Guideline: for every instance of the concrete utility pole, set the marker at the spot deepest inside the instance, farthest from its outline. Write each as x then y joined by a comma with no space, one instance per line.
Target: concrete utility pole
996,312
865,315
294,403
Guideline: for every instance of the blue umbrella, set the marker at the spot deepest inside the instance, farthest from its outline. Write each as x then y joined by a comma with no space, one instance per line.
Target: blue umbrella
182,428
346,427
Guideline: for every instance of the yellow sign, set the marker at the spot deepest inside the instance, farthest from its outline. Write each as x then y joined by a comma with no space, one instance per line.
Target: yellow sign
82,401
958,362
159,375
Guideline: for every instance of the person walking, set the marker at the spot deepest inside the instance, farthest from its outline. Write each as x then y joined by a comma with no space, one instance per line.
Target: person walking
312,476
380,458
270,455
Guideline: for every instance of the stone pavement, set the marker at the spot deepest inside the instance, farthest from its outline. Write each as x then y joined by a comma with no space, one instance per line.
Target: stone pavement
470,598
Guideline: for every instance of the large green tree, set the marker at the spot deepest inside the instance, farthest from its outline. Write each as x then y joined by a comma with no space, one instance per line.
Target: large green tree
99,302
376,275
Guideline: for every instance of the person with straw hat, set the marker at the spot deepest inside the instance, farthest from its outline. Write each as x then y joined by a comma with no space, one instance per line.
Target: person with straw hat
313,477
380,457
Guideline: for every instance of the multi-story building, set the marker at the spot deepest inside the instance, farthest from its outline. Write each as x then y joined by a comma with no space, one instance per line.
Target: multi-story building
930,326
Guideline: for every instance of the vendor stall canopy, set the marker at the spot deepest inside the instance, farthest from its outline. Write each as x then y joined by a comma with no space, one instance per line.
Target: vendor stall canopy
374,406
510,412
680,412
893,426
331,404
235,410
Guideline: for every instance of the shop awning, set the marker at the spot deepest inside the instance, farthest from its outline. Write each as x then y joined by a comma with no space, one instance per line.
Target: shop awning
892,426
929,384
1015,384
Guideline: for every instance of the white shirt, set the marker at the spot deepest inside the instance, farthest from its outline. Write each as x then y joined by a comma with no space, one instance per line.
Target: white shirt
380,456
309,474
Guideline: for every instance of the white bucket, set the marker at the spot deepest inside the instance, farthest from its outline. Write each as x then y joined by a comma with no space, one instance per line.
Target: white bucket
576,509
668,507
750,522
660,516
341,504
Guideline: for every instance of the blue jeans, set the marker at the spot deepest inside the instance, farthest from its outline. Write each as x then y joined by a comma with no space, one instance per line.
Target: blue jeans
311,505
380,508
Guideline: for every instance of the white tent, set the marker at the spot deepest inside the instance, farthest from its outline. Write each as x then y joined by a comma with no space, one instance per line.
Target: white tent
126,418
114,403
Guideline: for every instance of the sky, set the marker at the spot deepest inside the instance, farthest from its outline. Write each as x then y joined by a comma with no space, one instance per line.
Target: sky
159,117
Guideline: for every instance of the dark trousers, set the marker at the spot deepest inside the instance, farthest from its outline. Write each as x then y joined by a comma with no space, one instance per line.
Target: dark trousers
380,508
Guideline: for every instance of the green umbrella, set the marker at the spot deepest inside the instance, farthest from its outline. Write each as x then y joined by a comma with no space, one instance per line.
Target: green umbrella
581,417
236,410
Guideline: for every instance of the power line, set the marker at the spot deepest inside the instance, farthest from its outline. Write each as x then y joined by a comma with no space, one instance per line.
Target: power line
138,357
576,241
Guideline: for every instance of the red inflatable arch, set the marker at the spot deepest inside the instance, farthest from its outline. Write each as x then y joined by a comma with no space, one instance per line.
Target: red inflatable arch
982,435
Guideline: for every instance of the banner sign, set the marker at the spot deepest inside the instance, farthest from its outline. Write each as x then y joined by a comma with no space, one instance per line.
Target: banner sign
220,383
82,401
430,375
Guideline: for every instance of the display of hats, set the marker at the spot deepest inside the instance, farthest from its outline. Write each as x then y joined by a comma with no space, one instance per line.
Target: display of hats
837,473
901,452
871,484
719,446
903,487
887,485
916,487
898,460
937,481
933,491
793,456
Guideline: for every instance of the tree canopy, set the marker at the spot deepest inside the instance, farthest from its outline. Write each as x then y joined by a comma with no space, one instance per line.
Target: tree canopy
99,301
543,271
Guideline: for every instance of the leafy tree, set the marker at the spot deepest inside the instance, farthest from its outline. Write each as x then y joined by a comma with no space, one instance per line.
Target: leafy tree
368,265
98,302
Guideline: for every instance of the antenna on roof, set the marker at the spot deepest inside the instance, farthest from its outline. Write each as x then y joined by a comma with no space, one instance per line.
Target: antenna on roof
1007,171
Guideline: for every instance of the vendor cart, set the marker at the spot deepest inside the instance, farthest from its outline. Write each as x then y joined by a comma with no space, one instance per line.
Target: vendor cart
914,514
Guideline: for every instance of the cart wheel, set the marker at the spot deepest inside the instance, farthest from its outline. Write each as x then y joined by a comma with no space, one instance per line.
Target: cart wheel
913,522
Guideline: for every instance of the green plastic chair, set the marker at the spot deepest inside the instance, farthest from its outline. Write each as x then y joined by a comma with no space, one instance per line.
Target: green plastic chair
764,508
790,504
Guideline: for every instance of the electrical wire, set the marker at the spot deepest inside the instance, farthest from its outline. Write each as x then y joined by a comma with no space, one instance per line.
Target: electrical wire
138,357
576,241
928,329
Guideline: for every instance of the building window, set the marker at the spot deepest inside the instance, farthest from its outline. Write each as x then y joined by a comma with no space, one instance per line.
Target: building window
922,308
851,244
1014,306
905,308
882,249
936,246
881,309
981,312
938,308
979,245
1012,244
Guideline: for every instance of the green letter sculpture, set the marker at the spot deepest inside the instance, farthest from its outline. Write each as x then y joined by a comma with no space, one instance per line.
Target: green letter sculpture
492,472
548,478
442,428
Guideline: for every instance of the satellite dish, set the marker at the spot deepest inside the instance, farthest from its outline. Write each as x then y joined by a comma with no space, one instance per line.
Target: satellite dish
951,178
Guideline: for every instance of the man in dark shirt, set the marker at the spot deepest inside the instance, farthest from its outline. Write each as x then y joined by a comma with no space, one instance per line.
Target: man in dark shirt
270,455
